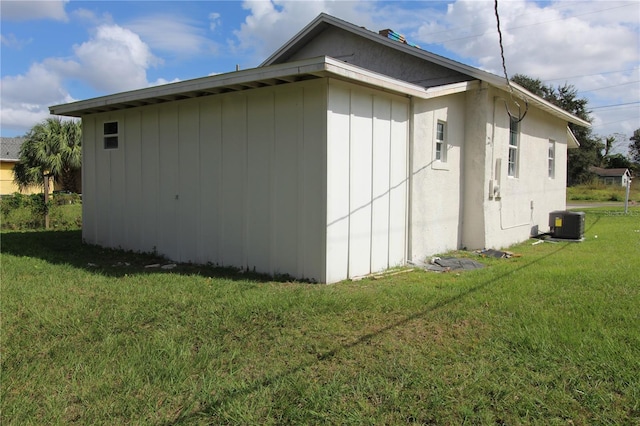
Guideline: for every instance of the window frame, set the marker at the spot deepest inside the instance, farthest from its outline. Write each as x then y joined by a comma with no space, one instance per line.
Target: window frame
440,153
551,159
109,136
514,148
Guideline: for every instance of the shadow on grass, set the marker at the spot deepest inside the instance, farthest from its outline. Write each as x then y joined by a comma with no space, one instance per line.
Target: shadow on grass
67,248
225,396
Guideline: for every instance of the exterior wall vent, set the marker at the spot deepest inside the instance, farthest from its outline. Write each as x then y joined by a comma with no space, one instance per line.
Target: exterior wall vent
566,224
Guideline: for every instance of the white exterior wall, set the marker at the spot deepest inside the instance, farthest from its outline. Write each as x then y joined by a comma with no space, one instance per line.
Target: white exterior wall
236,180
367,181
436,188
476,166
451,204
526,200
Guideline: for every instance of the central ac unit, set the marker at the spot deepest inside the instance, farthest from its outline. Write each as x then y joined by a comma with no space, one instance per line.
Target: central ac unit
566,224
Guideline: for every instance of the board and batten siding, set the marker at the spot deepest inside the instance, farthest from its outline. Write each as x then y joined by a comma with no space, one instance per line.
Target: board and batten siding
235,180
367,181
307,179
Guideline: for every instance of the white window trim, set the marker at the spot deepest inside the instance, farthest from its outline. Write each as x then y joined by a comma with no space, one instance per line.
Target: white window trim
551,159
513,148
442,162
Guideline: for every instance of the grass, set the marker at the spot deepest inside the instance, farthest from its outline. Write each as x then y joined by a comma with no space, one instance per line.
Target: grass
599,192
92,336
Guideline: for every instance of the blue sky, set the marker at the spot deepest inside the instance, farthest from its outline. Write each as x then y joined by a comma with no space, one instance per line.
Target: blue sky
60,51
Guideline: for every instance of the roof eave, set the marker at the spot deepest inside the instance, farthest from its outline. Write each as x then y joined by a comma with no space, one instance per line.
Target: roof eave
547,106
289,72
221,83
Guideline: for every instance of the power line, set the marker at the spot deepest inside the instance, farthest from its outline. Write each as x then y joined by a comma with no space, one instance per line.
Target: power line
506,75
611,122
616,105
591,75
609,87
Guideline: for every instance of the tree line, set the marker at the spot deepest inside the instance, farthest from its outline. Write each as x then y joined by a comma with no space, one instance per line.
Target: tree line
593,150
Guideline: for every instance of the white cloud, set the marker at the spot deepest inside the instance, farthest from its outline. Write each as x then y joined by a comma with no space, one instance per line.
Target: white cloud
214,20
115,59
90,17
25,97
33,10
271,23
577,43
172,34
11,41
38,85
162,81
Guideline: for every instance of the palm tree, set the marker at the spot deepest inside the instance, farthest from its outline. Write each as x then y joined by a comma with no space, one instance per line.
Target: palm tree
52,148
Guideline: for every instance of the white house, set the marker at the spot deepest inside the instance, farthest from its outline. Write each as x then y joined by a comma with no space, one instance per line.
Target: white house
345,153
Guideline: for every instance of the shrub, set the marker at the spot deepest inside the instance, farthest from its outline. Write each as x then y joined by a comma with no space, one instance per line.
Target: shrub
66,198
19,211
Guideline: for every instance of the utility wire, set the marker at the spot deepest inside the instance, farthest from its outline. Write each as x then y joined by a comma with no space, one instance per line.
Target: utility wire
609,87
590,75
520,115
616,105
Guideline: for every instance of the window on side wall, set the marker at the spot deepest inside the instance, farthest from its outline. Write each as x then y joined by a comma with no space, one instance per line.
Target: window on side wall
441,141
110,134
551,159
514,136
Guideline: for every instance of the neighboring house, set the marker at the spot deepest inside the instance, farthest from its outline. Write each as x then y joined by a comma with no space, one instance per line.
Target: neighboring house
9,150
345,153
618,177
9,156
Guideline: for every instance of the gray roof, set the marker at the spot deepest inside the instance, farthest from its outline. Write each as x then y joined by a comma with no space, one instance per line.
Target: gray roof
9,148
324,20
609,172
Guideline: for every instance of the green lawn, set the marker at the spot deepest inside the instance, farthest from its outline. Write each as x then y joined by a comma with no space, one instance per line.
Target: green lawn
91,336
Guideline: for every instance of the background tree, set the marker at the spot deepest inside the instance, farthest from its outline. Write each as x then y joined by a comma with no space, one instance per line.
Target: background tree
634,146
53,147
617,161
591,146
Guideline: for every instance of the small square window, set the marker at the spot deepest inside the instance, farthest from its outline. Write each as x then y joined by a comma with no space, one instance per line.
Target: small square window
110,142
111,128
110,131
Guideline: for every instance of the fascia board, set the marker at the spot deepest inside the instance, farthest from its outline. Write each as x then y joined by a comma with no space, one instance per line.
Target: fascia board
546,105
573,141
199,84
364,76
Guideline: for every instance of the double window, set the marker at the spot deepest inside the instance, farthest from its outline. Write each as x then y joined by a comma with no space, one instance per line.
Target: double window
110,134
514,137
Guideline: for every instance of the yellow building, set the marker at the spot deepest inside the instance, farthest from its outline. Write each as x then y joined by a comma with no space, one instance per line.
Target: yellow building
9,149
